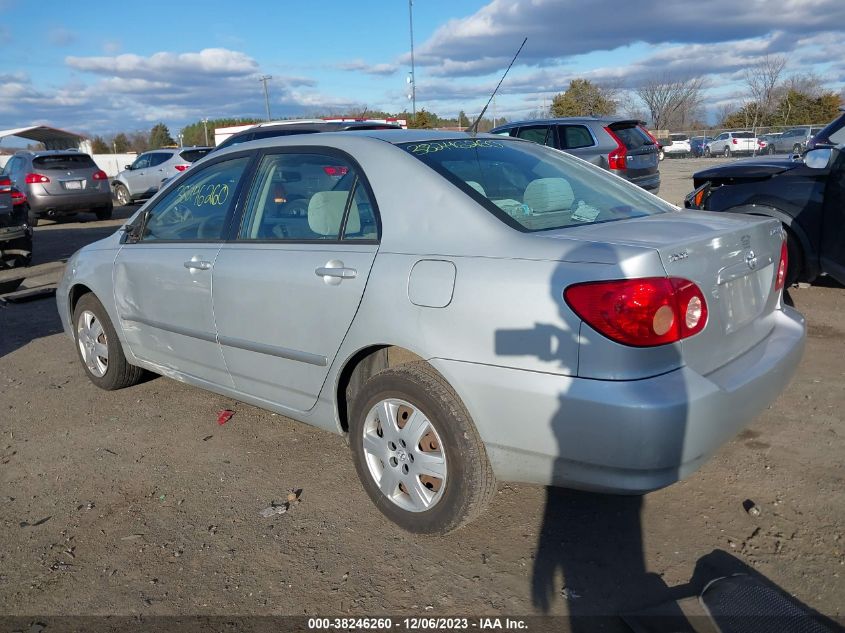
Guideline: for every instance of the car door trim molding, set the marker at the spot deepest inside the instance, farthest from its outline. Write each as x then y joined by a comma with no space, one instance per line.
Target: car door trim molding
175,329
275,350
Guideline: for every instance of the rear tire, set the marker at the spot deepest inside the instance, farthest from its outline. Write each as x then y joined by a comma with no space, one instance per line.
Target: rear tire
436,435
727,152
98,347
796,149
707,153
104,213
32,217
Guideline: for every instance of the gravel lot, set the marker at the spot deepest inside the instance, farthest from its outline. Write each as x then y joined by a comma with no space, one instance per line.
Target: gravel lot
138,502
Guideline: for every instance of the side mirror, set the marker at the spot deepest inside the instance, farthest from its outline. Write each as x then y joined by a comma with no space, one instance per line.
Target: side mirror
818,158
127,166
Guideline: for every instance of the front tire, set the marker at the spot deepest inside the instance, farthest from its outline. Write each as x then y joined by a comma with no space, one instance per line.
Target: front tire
99,349
417,451
727,152
707,152
796,149
121,194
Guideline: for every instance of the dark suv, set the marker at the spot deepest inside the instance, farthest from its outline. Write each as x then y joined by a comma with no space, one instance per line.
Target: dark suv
287,128
622,146
15,232
60,182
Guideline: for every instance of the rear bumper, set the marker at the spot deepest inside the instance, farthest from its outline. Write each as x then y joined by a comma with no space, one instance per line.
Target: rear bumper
624,437
649,183
69,203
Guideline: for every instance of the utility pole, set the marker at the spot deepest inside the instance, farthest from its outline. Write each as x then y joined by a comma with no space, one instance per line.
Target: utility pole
413,81
263,79
205,127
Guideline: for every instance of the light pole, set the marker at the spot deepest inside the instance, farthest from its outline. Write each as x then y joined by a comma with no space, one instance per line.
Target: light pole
263,79
412,80
205,127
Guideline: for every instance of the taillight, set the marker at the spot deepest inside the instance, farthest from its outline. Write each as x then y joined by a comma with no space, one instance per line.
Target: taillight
18,197
181,167
734,141
618,158
335,170
32,179
640,312
100,175
780,279
5,185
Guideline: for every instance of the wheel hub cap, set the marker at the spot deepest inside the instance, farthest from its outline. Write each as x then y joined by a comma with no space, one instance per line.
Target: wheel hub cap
404,455
93,344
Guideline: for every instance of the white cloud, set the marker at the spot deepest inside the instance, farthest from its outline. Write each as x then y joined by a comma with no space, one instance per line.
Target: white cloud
359,65
209,61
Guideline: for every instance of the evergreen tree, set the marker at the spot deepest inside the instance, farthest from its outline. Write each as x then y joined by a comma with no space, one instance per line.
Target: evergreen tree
160,136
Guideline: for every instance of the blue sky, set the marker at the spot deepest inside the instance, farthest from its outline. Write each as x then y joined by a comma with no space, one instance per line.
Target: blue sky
125,66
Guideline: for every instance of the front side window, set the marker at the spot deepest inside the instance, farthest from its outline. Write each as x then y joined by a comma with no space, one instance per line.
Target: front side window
198,209
533,188
142,162
307,197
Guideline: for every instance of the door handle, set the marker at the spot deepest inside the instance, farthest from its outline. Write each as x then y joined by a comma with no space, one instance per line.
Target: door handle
197,264
334,272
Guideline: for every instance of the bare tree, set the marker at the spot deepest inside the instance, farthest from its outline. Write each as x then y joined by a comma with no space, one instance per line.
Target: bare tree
668,98
763,80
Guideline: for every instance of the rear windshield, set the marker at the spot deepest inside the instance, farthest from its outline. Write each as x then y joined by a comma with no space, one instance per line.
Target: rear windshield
679,137
533,188
743,135
193,155
632,136
64,161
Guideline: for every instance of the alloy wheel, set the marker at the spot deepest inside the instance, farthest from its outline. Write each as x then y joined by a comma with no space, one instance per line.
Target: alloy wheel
93,344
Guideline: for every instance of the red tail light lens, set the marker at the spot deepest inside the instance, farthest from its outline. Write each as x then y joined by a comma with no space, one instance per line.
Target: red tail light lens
734,141
335,170
780,278
100,175
32,179
17,197
640,312
5,185
181,167
618,158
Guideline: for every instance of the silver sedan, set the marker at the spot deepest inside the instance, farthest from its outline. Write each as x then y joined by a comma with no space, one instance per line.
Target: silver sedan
462,308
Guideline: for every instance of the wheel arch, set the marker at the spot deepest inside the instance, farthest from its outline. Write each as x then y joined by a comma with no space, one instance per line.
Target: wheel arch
360,367
809,266
74,295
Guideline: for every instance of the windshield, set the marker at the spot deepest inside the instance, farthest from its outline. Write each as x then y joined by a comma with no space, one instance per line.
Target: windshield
533,188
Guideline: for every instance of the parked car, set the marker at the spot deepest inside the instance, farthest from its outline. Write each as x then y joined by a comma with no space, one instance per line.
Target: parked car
793,141
697,145
728,143
144,176
769,140
291,127
679,147
15,232
830,135
388,312
60,182
622,146
806,196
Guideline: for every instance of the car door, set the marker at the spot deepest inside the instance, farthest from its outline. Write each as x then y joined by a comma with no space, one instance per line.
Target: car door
157,173
137,176
286,290
162,279
578,141
719,144
833,222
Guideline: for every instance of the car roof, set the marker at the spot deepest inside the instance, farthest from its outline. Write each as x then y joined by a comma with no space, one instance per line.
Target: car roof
317,124
571,119
49,152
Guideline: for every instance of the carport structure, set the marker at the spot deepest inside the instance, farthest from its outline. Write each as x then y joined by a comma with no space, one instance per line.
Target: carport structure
52,138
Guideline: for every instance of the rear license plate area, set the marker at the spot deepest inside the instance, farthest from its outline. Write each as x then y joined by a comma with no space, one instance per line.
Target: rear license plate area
743,299
73,184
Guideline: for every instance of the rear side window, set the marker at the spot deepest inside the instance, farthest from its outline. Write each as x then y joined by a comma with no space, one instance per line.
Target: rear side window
535,134
158,158
743,135
193,155
632,136
533,188
64,161
574,136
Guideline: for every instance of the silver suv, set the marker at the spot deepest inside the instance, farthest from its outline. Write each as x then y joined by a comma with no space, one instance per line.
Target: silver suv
622,146
60,182
144,177
794,140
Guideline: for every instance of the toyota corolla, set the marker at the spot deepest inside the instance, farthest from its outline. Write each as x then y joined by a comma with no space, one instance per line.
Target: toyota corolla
463,309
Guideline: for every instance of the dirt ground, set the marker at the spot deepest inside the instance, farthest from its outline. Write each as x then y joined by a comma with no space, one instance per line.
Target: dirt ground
138,502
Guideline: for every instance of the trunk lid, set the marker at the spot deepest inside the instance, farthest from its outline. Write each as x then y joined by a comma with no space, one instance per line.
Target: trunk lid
732,258
641,151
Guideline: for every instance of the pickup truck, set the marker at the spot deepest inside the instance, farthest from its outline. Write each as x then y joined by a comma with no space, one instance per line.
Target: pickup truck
15,232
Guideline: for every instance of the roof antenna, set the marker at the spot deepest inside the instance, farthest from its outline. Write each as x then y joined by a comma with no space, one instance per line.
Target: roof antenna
473,129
